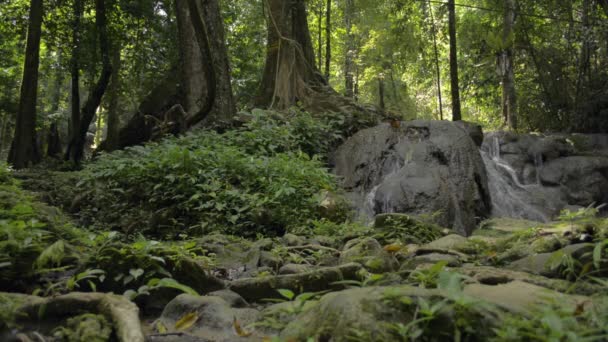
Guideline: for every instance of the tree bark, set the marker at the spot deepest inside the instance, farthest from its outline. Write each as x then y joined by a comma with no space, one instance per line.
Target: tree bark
349,84
381,102
199,92
74,125
113,124
290,74
75,151
584,56
328,40
193,82
456,114
24,150
437,69
219,108
54,142
509,96
320,36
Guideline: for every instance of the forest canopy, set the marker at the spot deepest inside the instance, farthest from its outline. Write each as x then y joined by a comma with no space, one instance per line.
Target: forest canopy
548,58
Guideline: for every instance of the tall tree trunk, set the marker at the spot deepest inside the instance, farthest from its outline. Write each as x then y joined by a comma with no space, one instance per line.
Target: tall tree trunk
381,102
54,141
328,40
113,124
320,36
77,9
437,69
456,114
509,96
290,74
584,56
349,13
24,150
219,107
192,73
356,87
75,151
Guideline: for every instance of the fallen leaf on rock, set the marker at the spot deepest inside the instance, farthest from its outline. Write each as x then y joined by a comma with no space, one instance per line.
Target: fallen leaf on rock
187,321
239,330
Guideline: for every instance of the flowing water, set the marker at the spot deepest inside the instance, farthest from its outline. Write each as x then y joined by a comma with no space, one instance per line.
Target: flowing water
511,197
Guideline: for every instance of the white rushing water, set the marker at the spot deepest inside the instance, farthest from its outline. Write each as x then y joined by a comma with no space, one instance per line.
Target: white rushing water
510,196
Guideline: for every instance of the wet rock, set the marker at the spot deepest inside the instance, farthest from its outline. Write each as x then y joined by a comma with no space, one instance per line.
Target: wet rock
214,318
270,260
368,312
488,275
433,258
520,297
294,269
369,253
451,241
293,240
321,279
550,264
422,167
232,298
536,176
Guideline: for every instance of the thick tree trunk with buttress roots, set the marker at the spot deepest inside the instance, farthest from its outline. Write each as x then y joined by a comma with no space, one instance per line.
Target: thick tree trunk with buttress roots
290,74
219,107
199,92
24,150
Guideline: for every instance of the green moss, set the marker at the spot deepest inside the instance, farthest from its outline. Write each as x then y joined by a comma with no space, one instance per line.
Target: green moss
87,327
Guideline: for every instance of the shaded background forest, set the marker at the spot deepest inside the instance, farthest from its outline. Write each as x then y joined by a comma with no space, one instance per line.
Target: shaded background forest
393,53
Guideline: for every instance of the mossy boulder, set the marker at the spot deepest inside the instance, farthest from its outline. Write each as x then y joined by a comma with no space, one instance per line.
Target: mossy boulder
377,313
369,253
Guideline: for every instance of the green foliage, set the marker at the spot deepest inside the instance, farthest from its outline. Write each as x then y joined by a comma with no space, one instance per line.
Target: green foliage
86,327
554,322
405,229
252,180
428,277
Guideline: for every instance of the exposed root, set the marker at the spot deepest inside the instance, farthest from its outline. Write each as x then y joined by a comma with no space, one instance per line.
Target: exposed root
120,311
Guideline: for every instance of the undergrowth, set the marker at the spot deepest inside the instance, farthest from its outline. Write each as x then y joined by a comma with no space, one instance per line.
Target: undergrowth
267,177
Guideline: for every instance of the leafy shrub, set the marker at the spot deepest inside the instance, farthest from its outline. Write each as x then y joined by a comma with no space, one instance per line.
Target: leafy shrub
256,179
33,237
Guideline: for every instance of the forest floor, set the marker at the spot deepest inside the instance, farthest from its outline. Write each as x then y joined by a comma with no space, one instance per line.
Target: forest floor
398,280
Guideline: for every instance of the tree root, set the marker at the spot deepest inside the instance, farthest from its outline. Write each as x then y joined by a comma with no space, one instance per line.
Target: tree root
120,311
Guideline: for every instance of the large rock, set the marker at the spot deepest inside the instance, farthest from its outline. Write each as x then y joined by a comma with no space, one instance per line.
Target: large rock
211,318
521,297
420,168
367,314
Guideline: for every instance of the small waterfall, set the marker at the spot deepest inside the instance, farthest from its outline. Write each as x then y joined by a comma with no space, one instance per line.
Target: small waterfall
512,198
370,204
538,165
